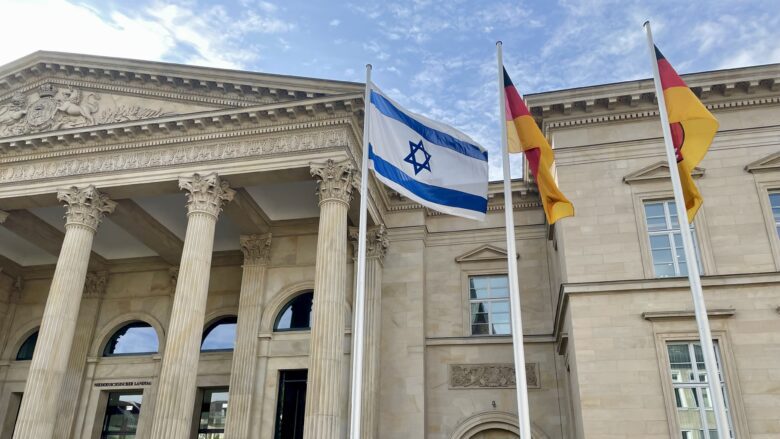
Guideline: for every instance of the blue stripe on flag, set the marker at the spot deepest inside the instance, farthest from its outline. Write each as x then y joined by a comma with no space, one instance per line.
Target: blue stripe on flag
430,134
434,194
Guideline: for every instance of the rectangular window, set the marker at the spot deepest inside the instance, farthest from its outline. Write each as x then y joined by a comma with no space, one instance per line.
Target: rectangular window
213,412
122,414
695,416
774,201
291,404
489,300
666,244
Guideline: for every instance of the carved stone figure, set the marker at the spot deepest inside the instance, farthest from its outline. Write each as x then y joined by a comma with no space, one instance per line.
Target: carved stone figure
72,105
11,113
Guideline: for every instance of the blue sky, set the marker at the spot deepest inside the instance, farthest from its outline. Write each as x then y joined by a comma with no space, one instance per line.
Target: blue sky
435,57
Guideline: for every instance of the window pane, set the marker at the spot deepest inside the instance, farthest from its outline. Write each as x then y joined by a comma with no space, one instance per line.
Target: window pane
220,336
481,329
136,338
502,329
213,412
660,242
500,317
122,412
478,282
27,348
499,306
662,256
296,315
479,318
664,270
679,357
499,282
478,307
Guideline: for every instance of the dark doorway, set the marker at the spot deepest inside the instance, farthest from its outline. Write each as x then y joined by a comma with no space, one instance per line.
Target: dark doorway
291,404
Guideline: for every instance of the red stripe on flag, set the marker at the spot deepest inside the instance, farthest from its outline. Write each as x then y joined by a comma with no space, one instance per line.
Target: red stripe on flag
669,78
515,107
533,155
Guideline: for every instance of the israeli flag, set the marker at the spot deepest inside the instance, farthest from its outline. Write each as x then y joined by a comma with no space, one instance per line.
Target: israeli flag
426,161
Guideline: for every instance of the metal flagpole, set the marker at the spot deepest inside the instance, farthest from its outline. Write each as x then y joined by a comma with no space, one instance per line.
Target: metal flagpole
360,283
511,256
705,336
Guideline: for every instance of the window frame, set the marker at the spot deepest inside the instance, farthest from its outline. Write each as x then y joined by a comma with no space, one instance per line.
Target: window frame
765,190
130,354
701,233
225,319
201,394
101,424
35,333
466,275
275,326
727,364
669,232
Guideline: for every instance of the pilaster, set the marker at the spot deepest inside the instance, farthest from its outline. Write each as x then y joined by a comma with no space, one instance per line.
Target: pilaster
176,395
85,208
324,417
257,250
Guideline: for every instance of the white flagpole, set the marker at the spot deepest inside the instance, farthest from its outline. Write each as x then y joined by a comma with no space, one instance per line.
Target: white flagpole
700,309
358,327
511,256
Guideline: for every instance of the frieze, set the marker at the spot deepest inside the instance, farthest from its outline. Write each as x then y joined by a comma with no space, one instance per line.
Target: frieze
173,155
493,376
57,108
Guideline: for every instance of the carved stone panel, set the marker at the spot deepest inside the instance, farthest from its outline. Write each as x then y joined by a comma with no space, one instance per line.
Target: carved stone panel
54,107
492,376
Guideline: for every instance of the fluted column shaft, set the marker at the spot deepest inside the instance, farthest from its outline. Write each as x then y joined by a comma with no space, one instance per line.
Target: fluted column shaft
176,393
323,416
74,374
256,249
376,247
41,403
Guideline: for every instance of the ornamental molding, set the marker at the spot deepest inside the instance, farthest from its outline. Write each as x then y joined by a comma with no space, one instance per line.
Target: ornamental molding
256,249
206,193
85,206
493,376
220,86
221,123
181,153
656,171
377,241
484,253
768,163
335,180
95,284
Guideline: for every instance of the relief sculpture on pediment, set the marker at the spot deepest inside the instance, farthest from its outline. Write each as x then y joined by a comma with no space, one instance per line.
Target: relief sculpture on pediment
53,108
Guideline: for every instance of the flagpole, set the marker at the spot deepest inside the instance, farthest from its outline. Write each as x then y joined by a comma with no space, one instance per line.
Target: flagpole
358,327
700,309
511,256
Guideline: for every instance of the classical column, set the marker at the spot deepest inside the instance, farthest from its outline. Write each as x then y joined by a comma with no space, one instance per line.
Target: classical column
40,405
325,385
256,249
376,247
94,288
176,393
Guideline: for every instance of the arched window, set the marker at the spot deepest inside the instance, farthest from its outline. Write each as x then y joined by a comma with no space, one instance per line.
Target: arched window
135,338
220,335
28,347
296,315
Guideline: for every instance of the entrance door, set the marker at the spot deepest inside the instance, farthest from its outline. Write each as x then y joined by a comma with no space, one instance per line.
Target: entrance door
291,404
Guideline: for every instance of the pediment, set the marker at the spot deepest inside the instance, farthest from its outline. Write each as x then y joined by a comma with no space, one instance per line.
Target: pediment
483,253
770,162
48,91
656,171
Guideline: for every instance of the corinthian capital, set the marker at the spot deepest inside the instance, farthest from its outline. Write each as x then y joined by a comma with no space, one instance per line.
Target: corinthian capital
85,206
206,193
95,284
336,180
256,249
376,241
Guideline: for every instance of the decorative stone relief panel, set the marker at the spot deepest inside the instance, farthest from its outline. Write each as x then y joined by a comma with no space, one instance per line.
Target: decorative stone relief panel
495,376
178,154
53,107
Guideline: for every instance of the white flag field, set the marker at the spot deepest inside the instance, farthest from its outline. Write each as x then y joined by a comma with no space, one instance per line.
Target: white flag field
426,161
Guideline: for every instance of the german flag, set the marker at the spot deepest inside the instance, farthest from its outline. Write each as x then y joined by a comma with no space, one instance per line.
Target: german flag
523,135
693,128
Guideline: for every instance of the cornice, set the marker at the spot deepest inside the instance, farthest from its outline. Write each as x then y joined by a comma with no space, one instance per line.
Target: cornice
229,85
718,90
307,113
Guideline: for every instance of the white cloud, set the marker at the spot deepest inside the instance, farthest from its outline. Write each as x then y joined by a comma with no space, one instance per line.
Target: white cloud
335,22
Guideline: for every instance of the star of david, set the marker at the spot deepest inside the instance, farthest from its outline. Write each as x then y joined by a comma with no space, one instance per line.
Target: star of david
412,158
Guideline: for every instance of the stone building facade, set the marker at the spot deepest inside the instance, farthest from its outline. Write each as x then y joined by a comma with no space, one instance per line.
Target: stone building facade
177,262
